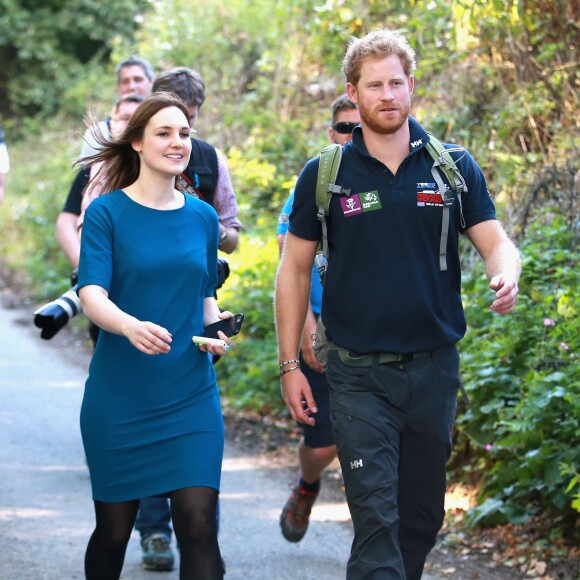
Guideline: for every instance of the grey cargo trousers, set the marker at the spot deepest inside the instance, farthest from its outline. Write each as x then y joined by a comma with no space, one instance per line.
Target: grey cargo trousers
392,425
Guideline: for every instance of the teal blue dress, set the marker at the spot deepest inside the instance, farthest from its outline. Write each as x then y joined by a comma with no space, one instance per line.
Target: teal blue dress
151,424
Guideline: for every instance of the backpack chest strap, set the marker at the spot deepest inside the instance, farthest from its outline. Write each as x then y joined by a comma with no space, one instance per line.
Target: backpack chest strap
443,162
447,203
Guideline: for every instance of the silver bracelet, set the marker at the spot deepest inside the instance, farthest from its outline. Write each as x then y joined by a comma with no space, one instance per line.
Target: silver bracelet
288,370
288,362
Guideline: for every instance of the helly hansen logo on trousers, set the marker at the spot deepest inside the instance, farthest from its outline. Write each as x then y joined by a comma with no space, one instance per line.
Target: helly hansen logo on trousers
356,463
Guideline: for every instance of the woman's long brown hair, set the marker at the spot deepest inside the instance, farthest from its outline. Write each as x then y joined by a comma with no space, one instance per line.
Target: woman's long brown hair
121,164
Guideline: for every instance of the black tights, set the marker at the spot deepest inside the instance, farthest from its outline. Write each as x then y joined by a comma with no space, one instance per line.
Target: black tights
106,550
193,511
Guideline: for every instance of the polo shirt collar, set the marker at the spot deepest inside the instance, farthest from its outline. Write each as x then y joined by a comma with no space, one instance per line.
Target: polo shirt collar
417,134
358,141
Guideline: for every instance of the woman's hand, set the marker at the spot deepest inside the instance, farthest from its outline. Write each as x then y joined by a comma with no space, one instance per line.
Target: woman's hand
147,337
212,348
217,350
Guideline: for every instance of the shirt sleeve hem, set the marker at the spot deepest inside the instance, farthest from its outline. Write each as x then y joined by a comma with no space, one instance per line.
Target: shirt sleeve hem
301,234
490,216
93,282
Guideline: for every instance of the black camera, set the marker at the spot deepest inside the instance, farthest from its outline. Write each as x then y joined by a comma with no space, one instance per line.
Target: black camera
53,316
223,268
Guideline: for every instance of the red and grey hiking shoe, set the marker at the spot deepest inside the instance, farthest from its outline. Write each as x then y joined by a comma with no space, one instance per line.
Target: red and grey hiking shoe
296,513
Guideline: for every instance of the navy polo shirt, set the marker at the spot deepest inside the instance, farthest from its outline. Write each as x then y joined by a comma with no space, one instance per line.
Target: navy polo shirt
384,290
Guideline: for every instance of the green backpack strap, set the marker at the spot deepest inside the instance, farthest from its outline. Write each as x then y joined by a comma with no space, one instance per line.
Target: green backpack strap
442,161
329,164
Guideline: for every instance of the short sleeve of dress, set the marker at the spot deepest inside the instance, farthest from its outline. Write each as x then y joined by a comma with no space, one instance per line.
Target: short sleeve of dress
96,261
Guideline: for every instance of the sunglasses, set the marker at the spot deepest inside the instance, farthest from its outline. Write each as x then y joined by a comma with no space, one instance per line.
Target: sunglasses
344,127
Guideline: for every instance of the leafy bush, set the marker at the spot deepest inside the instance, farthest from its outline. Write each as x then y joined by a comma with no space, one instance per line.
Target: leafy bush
45,46
248,376
36,188
522,373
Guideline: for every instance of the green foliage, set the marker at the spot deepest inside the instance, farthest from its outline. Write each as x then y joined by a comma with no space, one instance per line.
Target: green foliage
512,98
248,376
522,373
45,45
36,187
494,512
574,485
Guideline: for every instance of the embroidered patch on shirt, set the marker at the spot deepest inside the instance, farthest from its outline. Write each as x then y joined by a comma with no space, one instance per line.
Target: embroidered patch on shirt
351,205
370,201
428,195
360,203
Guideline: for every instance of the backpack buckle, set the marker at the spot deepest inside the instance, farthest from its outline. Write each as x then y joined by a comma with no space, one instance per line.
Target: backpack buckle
337,189
447,198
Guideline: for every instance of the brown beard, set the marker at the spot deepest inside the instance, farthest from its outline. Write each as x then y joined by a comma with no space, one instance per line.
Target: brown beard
372,121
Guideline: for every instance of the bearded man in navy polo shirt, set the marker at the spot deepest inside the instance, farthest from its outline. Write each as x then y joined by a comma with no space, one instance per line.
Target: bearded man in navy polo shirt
392,309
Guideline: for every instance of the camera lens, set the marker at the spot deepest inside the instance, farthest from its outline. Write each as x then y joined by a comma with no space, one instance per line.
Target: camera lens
53,316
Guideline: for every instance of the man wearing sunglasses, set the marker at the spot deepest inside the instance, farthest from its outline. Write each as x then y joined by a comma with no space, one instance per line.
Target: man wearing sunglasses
316,449
345,117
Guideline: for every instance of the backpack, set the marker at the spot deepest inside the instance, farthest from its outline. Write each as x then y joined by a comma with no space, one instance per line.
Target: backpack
330,158
201,175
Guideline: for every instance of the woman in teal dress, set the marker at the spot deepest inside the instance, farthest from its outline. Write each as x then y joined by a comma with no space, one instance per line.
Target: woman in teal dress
151,420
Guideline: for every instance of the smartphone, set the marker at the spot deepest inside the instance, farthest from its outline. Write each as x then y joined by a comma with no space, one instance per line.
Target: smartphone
229,326
197,340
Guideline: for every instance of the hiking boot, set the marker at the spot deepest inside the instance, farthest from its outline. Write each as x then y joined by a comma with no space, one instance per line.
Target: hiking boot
157,554
296,513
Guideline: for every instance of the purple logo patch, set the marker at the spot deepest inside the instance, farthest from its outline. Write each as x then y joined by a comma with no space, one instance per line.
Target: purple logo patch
351,205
